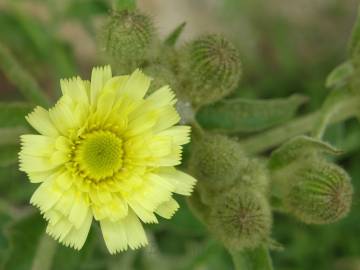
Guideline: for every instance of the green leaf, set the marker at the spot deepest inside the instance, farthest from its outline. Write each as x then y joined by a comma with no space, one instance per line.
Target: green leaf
24,236
173,37
13,114
245,115
299,147
354,45
125,4
255,259
340,76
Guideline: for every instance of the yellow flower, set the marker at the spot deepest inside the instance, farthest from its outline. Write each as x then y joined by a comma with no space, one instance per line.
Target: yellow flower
106,151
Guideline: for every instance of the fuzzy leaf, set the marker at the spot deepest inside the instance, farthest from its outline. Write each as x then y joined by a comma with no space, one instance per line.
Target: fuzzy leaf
13,114
299,147
244,115
340,75
173,37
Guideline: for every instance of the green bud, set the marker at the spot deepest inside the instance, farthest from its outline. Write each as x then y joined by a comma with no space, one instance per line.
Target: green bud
127,38
319,193
216,161
210,69
241,218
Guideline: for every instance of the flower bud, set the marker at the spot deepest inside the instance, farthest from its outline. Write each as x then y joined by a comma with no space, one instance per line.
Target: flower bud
241,218
127,37
216,161
211,69
320,192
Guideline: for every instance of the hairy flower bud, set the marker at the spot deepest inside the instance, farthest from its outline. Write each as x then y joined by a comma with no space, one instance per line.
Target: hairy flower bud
241,218
211,69
216,161
127,37
319,193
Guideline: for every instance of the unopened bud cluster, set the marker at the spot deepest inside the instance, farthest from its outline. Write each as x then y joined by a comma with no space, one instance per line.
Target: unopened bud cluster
233,189
201,72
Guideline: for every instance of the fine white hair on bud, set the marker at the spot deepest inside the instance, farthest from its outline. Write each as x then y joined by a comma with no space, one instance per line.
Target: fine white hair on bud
211,69
241,218
127,39
216,161
319,193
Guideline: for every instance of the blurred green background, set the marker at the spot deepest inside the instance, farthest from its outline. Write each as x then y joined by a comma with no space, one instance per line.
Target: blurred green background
286,47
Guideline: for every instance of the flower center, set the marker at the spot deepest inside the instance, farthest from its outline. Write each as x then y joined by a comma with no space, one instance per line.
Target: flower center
100,154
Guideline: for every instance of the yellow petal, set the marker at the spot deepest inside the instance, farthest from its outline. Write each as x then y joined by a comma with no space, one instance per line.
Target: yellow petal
135,233
114,234
145,215
66,201
60,229
163,96
137,85
76,237
75,88
38,177
167,209
179,134
37,145
79,211
62,116
35,164
168,117
141,124
99,77
40,120
46,196
154,191
184,183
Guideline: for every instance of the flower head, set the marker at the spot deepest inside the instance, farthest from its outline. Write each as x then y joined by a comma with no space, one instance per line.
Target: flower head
105,151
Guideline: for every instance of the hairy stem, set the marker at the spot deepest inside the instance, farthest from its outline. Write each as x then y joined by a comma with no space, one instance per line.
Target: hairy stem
269,139
255,259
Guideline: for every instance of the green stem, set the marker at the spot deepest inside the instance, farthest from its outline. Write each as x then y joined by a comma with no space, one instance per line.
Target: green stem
273,137
45,253
255,259
17,75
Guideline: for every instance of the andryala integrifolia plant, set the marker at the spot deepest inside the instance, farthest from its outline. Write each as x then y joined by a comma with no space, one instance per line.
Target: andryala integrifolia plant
116,137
